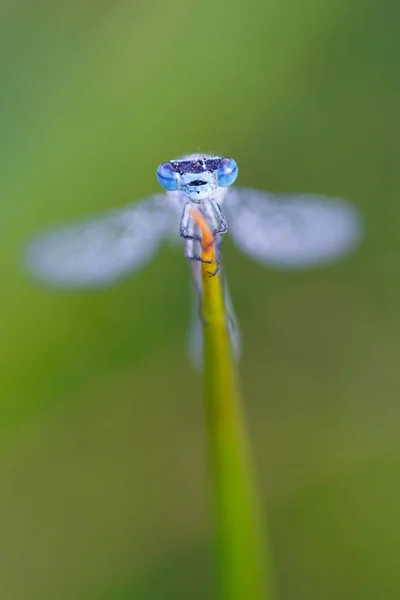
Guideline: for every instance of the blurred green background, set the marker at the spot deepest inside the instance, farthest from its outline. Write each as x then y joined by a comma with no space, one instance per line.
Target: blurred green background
103,485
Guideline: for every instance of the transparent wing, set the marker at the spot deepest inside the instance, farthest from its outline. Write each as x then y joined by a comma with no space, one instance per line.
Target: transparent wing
194,339
99,251
292,231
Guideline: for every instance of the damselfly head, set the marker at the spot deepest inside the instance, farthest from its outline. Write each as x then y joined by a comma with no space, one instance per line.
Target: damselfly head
197,175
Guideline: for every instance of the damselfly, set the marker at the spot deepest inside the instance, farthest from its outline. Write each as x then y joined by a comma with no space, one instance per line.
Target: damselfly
282,231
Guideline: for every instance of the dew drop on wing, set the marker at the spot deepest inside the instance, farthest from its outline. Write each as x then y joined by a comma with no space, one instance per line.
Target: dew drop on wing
293,231
99,251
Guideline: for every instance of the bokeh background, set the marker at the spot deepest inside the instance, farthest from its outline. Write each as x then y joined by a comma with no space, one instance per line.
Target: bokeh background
103,484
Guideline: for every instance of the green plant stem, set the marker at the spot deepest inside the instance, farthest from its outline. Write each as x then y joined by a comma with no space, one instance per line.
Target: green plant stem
244,563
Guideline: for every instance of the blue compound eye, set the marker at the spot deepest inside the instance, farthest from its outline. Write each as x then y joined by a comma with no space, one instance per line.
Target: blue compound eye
227,172
168,177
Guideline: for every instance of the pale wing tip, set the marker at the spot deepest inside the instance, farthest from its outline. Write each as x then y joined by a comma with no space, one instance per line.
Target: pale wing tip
42,264
59,262
195,343
318,232
335,230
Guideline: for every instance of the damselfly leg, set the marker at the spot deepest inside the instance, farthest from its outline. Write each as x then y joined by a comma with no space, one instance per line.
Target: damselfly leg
192,235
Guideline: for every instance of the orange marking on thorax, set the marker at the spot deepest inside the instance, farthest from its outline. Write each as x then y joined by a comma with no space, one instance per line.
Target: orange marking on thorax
207,243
